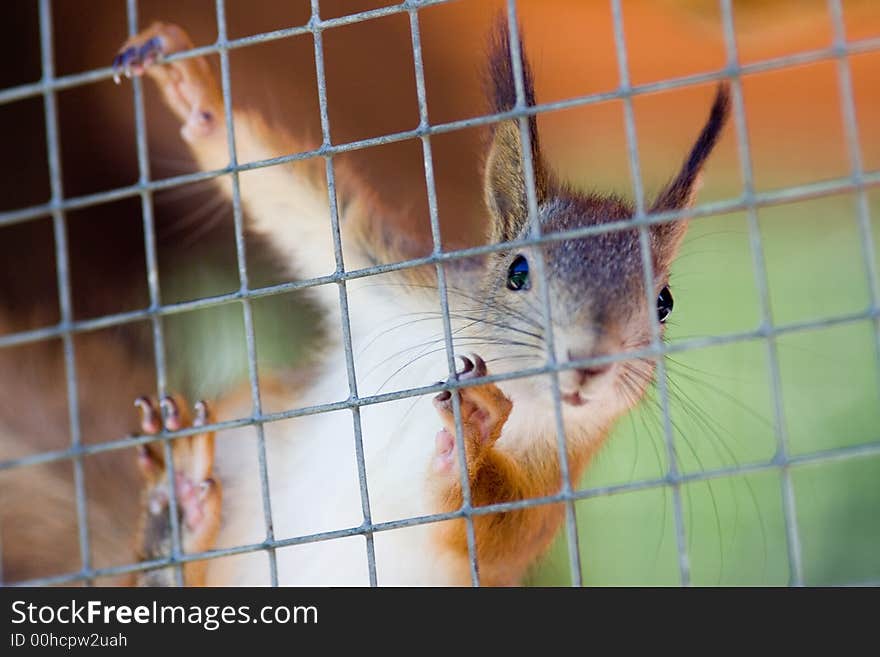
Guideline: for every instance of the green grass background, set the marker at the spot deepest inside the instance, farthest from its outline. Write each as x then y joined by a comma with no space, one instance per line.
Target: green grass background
722,411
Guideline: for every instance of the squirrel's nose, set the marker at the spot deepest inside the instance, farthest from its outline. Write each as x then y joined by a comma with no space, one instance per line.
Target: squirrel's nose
586,373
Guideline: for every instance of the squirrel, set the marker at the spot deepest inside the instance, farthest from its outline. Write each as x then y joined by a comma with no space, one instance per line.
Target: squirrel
598,305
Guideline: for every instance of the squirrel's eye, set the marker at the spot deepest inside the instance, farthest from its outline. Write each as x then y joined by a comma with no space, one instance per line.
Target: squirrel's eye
664,304
518,274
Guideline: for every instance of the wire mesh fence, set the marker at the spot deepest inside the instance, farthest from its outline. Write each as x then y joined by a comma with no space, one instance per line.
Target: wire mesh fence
750,200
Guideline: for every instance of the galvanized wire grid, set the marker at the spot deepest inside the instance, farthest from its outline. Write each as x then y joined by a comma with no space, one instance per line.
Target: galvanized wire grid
858,183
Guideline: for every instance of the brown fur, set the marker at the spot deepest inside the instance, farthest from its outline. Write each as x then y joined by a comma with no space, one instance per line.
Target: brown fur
38,515
508,542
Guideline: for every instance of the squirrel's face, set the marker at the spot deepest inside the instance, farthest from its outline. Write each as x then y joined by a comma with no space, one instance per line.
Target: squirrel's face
598,306
596,284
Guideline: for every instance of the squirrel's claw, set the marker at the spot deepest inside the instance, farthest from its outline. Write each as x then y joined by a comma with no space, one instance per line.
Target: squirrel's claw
171,413
468,365
136,58
150,418
479,366
201,409
474,367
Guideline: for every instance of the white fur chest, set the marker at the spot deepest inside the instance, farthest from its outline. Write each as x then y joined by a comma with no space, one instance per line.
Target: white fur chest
314,478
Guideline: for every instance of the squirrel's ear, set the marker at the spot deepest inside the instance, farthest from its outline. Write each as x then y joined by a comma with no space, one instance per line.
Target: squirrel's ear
681,192
504,184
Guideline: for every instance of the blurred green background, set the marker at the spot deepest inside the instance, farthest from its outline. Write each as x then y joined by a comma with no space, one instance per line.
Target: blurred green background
721,405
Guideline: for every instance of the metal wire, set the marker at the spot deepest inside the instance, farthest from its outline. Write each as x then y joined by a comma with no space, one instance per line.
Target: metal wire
442,292
761,282
851,126
343,294
574,554
62,266
247,311
750,200
155,296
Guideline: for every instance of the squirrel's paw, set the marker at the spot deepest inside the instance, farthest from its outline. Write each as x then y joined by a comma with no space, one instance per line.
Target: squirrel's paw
187,85
484,410
196,489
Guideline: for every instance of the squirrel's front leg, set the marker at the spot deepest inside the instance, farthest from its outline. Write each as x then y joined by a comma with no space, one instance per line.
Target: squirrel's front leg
196,489
287,202
505,542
